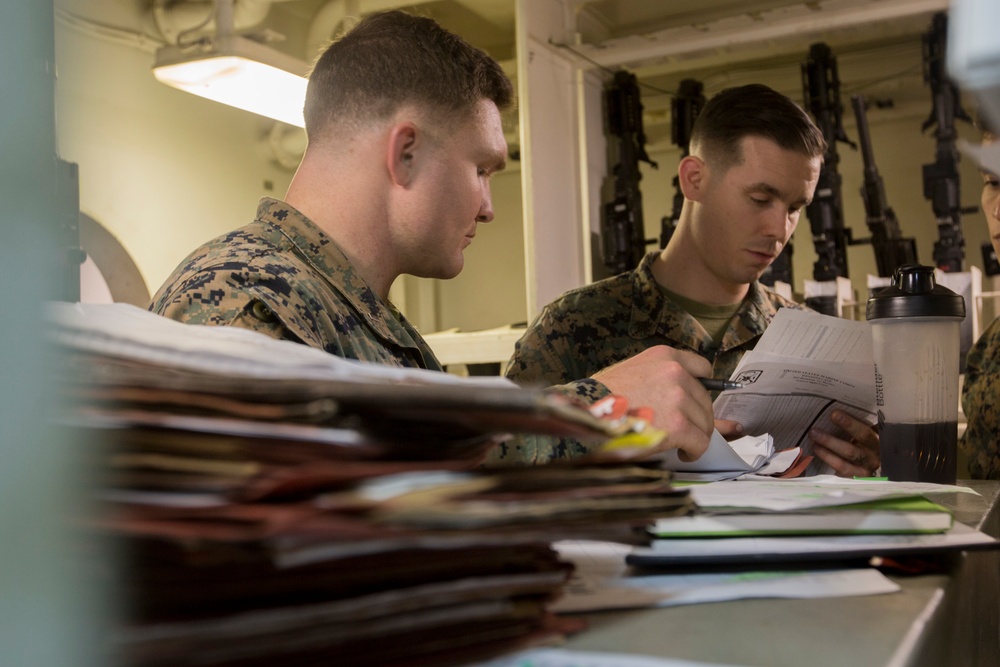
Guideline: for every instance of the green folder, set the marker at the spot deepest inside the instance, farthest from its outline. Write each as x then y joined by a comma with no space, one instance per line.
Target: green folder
910,514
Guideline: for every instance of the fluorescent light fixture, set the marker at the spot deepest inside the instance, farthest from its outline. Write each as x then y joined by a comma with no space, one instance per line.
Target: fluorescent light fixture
239,72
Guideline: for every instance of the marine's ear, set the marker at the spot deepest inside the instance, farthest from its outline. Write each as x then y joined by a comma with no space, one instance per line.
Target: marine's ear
692,175
400,151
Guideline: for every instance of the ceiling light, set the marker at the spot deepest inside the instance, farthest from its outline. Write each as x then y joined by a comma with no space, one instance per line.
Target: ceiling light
240,72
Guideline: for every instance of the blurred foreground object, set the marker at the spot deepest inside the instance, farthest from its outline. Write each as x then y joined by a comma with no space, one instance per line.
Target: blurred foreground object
279,505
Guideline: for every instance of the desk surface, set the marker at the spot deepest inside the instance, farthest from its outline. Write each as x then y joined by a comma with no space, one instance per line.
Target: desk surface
936,619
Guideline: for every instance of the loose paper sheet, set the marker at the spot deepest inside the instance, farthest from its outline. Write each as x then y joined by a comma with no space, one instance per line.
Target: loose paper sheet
602,581
809,492
555,657
804,367
121,329
672,552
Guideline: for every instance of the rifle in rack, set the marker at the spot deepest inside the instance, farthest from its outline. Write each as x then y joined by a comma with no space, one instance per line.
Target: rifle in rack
821,86
684,108
941,181
991,265
891,249
623,234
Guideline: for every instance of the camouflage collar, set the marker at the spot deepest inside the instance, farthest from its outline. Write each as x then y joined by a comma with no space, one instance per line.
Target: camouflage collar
759,301
650,306
654,314
757,310
330,262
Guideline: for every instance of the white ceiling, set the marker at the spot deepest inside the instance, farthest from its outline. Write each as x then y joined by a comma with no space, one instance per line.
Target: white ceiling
720,43
877,43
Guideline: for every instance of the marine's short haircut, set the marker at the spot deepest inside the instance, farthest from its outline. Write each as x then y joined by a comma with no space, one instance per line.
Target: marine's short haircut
753,110
391,59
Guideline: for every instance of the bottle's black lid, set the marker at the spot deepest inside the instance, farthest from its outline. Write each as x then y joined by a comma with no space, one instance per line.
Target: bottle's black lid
914,293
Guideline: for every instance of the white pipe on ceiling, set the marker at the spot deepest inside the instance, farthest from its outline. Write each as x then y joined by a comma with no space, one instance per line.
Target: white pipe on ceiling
329,20
173,19
326,23
744,30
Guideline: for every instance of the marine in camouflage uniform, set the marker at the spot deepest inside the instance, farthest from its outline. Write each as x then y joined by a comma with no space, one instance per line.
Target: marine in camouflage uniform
981,404
282,276
597,325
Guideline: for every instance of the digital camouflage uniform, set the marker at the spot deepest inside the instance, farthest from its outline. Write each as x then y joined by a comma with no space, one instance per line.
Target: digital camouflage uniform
981,404
597,325
282,276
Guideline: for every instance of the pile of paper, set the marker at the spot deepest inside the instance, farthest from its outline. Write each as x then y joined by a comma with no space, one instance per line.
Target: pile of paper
819,505
820,518
276,505
742,457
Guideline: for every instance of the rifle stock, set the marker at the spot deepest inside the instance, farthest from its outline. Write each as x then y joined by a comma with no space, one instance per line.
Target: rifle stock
623,233
891,249
941,180
684,109
821,87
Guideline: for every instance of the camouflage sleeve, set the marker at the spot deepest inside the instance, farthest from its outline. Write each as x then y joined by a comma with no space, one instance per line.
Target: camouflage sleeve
545,354
981,404
210,297
524,450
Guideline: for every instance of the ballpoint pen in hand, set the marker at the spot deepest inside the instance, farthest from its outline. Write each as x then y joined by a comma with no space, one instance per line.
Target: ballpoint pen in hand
714,384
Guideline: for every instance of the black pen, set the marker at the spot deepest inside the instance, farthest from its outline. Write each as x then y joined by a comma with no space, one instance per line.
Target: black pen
713,384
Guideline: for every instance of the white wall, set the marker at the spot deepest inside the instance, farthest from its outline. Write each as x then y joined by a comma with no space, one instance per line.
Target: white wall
162,170
550,101
490,291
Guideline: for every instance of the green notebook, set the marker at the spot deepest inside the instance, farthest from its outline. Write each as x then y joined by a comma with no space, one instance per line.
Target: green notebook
913,514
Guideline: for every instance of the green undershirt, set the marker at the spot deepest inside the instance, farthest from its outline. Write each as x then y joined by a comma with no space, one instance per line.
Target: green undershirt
714,319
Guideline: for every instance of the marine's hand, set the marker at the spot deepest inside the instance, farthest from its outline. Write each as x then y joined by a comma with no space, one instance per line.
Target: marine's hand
729,428
665,379
858,456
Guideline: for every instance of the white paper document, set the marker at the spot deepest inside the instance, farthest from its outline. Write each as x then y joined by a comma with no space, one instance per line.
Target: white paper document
804,367
126,331
602,580
749,551
729,460
809,492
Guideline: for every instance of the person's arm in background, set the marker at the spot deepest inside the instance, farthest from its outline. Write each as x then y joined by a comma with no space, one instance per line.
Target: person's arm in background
981,405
